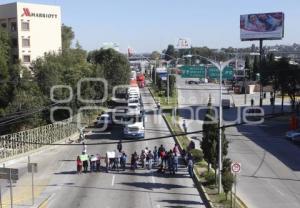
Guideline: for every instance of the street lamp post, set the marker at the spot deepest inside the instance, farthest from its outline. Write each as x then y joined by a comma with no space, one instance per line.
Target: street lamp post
220,66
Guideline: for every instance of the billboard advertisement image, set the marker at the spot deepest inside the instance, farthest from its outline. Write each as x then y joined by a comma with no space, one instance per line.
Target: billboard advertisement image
183,43
267,26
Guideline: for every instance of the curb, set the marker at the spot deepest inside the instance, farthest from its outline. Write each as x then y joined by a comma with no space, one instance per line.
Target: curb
202,190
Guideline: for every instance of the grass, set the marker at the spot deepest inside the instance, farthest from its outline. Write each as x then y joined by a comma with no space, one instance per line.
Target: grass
218,200
183,140
160,96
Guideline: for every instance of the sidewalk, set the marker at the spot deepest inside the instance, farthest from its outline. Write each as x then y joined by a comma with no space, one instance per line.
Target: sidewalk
22,189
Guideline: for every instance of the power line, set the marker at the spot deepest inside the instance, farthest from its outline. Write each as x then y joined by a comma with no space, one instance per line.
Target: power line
17,117
267,116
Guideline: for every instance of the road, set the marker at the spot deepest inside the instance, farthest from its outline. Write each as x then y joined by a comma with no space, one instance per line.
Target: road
270,174
60,186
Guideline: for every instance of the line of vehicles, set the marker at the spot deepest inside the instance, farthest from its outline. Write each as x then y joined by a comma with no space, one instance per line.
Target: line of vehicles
129,116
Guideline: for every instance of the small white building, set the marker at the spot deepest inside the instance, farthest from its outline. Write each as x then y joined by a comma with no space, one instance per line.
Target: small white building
35,29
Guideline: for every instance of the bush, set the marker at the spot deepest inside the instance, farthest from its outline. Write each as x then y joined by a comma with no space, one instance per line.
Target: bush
209,178
197,155
227,181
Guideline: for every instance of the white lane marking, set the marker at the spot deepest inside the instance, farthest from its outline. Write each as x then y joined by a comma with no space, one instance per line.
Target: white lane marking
146,143
157,206
153,179
101,133
113,180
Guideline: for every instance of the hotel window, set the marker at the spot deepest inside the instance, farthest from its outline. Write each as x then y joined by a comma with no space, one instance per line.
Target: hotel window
26,58
25,42
25,26
13,26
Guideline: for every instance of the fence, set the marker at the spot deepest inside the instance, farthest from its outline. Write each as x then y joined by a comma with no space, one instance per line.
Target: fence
24,141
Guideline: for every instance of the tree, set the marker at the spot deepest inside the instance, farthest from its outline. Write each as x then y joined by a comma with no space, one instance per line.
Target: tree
172,81
247,66
210,138
67,36
155,55
115,67
4,68
27,96
227,182
170,53
255,68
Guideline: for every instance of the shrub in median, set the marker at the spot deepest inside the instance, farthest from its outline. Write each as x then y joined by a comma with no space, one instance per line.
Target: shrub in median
209,178
227,182
197,155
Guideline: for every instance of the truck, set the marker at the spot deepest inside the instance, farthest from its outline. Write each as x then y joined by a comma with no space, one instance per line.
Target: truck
140,78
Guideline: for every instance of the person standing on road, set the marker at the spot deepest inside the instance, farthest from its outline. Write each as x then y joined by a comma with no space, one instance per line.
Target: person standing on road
150,159
119,146
143,158
85,161
79,165
184,126
175,161
160,150
134,161
176,149
190,165
84,148
171,162
98,162
155,155
123,160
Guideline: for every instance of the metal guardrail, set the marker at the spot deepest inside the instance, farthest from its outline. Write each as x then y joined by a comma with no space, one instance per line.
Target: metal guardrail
24,141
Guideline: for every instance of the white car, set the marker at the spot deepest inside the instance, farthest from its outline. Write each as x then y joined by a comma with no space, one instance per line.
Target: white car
133,96
135,130
134,109
104,121
134,100
293,135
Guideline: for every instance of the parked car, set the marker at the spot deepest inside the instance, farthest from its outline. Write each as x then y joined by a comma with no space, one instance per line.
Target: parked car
226,103
293,135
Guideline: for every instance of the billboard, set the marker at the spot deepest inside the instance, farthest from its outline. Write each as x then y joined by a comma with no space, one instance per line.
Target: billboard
108,45
183,43
267,26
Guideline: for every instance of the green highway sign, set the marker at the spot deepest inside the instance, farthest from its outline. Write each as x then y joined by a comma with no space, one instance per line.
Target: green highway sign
199,72
192,71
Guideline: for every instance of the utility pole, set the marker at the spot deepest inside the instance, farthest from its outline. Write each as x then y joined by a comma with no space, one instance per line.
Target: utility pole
220,131
260,64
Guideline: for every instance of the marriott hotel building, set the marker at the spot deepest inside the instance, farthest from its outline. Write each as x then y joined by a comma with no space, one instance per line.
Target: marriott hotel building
34,28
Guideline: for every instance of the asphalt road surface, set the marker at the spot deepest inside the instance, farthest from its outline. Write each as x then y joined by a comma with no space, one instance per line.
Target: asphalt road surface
58,184
270,174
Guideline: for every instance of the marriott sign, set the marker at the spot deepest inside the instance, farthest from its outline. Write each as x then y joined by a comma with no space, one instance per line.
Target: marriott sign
27,13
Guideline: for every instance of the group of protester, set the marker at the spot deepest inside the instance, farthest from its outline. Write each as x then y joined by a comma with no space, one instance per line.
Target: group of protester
164,160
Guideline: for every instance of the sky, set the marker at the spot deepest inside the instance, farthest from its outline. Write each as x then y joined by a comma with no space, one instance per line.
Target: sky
151,25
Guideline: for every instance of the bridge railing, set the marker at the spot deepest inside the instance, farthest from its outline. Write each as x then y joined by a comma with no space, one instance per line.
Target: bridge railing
24,141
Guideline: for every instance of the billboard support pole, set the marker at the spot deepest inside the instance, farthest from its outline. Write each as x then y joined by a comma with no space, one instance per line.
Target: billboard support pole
260,64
